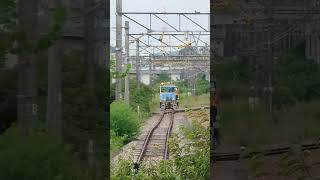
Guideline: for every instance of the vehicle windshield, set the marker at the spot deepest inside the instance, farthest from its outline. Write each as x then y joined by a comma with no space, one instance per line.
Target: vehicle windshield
168,89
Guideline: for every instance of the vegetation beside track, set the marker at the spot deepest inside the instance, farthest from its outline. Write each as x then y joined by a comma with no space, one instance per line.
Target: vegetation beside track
189,155
83,115
147,98
194,101
295,102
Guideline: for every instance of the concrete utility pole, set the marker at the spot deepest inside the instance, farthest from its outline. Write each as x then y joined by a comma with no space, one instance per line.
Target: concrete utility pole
27,69
126,62
153,70
118,47
138,65
270,63
150,71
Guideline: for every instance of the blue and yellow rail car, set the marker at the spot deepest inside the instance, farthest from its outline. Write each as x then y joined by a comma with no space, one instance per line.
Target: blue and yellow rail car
169,97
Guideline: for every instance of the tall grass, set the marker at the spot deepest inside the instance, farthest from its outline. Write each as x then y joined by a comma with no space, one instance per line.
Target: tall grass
240,126
194,101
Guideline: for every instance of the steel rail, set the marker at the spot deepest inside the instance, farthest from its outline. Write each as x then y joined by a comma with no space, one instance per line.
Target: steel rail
150,134
147,139
166,151
268,152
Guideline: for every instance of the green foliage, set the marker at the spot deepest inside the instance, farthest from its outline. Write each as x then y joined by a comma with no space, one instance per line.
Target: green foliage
7,9
55,30
37,156
142,98
116,142
116,74
182,86
124,121
10,34
192,159
296,79
83,114
163,77
83,111
163,170
296,162
7,24
122,171
256,161
232,79
202,85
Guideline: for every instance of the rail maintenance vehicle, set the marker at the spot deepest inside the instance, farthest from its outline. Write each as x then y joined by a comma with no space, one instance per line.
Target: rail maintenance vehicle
169,97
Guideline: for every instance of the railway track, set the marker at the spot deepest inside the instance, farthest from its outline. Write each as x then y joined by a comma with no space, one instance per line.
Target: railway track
184,110
154,146
267,152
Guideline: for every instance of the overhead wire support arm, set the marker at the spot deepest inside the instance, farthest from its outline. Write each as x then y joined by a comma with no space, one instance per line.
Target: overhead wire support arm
172,46
179,40
149,30
172,13
166,34
159,40
166,22
195,23
145,43
179,56
144,48
174,30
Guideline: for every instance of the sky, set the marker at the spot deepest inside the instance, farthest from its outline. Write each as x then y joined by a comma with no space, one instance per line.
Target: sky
189,6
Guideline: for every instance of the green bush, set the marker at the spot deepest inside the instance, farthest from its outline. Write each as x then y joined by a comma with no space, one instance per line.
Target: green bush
182,86
141,98
202,86
192,160
232,79
298,74
37,156
116,142
124,121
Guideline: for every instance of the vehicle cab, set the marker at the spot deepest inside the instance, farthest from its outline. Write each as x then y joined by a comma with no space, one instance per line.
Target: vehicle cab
168,96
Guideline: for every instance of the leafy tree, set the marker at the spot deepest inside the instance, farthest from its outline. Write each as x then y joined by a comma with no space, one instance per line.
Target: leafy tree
233,79
296,79
163,77
7,24
114,73
202,85
83,111
141,98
